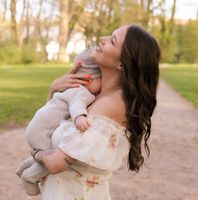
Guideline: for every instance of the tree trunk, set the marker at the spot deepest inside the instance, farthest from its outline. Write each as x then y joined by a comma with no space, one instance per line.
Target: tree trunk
14,33
4,10
171,23
63,29
27,23
147,13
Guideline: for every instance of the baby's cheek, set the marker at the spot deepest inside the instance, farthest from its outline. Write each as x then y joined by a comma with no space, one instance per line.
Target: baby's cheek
94,87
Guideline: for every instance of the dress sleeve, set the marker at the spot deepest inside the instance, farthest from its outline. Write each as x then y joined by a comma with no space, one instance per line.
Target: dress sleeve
103,145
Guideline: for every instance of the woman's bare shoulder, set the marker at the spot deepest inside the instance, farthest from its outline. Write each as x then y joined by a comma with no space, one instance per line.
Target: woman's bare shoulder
111,105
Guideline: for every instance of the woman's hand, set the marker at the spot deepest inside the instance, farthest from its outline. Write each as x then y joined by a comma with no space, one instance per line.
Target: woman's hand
70,80
54,160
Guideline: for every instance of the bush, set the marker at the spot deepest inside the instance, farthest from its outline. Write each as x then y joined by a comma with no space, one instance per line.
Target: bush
28,54
10,53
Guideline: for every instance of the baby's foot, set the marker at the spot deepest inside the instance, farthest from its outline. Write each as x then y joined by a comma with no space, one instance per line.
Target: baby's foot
35,173
31,189
26,164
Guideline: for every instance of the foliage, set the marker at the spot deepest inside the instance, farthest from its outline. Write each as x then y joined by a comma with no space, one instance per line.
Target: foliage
28,54
170,50
178,39
9,53
184,79
187,40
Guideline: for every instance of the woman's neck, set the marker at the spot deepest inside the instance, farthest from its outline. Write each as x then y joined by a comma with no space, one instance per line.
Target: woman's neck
110,81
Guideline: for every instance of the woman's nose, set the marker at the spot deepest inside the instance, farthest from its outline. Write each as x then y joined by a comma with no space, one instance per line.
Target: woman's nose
102,40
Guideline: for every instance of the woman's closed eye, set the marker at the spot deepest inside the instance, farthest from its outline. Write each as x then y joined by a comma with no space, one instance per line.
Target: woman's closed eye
113,39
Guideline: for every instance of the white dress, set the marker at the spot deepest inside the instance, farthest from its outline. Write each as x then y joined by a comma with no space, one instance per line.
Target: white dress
100,150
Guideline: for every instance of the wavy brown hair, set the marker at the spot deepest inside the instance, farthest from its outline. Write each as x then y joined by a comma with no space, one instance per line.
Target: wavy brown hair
140,73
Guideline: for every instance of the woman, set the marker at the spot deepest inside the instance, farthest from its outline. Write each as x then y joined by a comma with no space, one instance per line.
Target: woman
120,119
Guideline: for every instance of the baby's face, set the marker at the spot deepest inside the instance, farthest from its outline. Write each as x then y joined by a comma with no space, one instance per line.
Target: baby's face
94,86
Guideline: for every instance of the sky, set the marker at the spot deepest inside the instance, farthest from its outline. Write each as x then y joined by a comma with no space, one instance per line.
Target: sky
186,9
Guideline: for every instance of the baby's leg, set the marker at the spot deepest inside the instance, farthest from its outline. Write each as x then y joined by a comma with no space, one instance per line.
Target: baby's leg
28,162
35,173
31,177
45,121
31,189
39,131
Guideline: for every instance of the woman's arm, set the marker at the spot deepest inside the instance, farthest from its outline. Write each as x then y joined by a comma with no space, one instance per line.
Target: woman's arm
69,80
55,160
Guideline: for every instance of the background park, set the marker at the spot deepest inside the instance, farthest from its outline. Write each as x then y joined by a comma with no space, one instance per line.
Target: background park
38,42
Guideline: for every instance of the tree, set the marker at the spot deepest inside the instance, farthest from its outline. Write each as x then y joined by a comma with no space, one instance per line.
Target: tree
101,18
4,9
63,29
14,33
187,39
166,37
146,11
70,12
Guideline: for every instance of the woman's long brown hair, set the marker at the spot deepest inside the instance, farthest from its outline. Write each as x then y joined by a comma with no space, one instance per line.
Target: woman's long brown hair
140,73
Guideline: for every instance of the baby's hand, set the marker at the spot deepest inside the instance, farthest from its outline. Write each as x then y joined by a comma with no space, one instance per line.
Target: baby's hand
81,123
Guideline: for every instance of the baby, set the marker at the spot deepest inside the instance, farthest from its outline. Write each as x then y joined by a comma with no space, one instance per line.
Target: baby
73,102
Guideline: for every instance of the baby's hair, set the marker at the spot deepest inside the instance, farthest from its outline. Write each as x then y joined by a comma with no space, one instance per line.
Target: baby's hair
88,64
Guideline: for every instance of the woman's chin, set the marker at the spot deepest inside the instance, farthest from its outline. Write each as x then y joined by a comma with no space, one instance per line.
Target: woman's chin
96,56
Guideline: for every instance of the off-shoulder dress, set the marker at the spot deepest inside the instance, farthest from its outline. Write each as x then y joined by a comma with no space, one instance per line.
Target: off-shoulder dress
99,151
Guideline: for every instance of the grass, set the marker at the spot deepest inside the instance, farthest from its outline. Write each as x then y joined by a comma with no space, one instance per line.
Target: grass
23,89
184,79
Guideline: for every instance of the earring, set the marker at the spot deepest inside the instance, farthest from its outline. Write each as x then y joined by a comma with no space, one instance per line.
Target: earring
120,67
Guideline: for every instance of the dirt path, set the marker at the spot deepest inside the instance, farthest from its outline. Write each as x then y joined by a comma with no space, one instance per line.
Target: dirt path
170,173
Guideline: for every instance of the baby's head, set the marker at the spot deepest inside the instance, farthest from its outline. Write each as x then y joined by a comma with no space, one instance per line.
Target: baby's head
88,66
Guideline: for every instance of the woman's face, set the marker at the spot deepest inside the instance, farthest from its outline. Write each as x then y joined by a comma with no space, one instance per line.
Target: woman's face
108,51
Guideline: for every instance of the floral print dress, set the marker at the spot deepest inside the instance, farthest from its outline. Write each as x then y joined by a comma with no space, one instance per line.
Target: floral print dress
99,151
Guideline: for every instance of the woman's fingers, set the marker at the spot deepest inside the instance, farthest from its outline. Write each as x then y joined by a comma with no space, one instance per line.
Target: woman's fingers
67,86
70,80
72,83
80,76
78,81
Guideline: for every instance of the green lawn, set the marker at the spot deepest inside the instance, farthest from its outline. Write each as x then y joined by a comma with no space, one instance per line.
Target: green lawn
184,79
23,89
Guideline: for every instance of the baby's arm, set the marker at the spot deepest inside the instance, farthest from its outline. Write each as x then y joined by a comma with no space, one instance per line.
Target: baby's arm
77,104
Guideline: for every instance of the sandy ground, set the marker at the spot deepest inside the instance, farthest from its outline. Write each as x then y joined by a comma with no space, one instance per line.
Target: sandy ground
170,173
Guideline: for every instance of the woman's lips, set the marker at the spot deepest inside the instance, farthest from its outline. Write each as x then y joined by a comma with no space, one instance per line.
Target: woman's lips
98,48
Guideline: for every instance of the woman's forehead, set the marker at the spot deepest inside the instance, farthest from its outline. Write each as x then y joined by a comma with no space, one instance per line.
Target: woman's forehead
120,33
